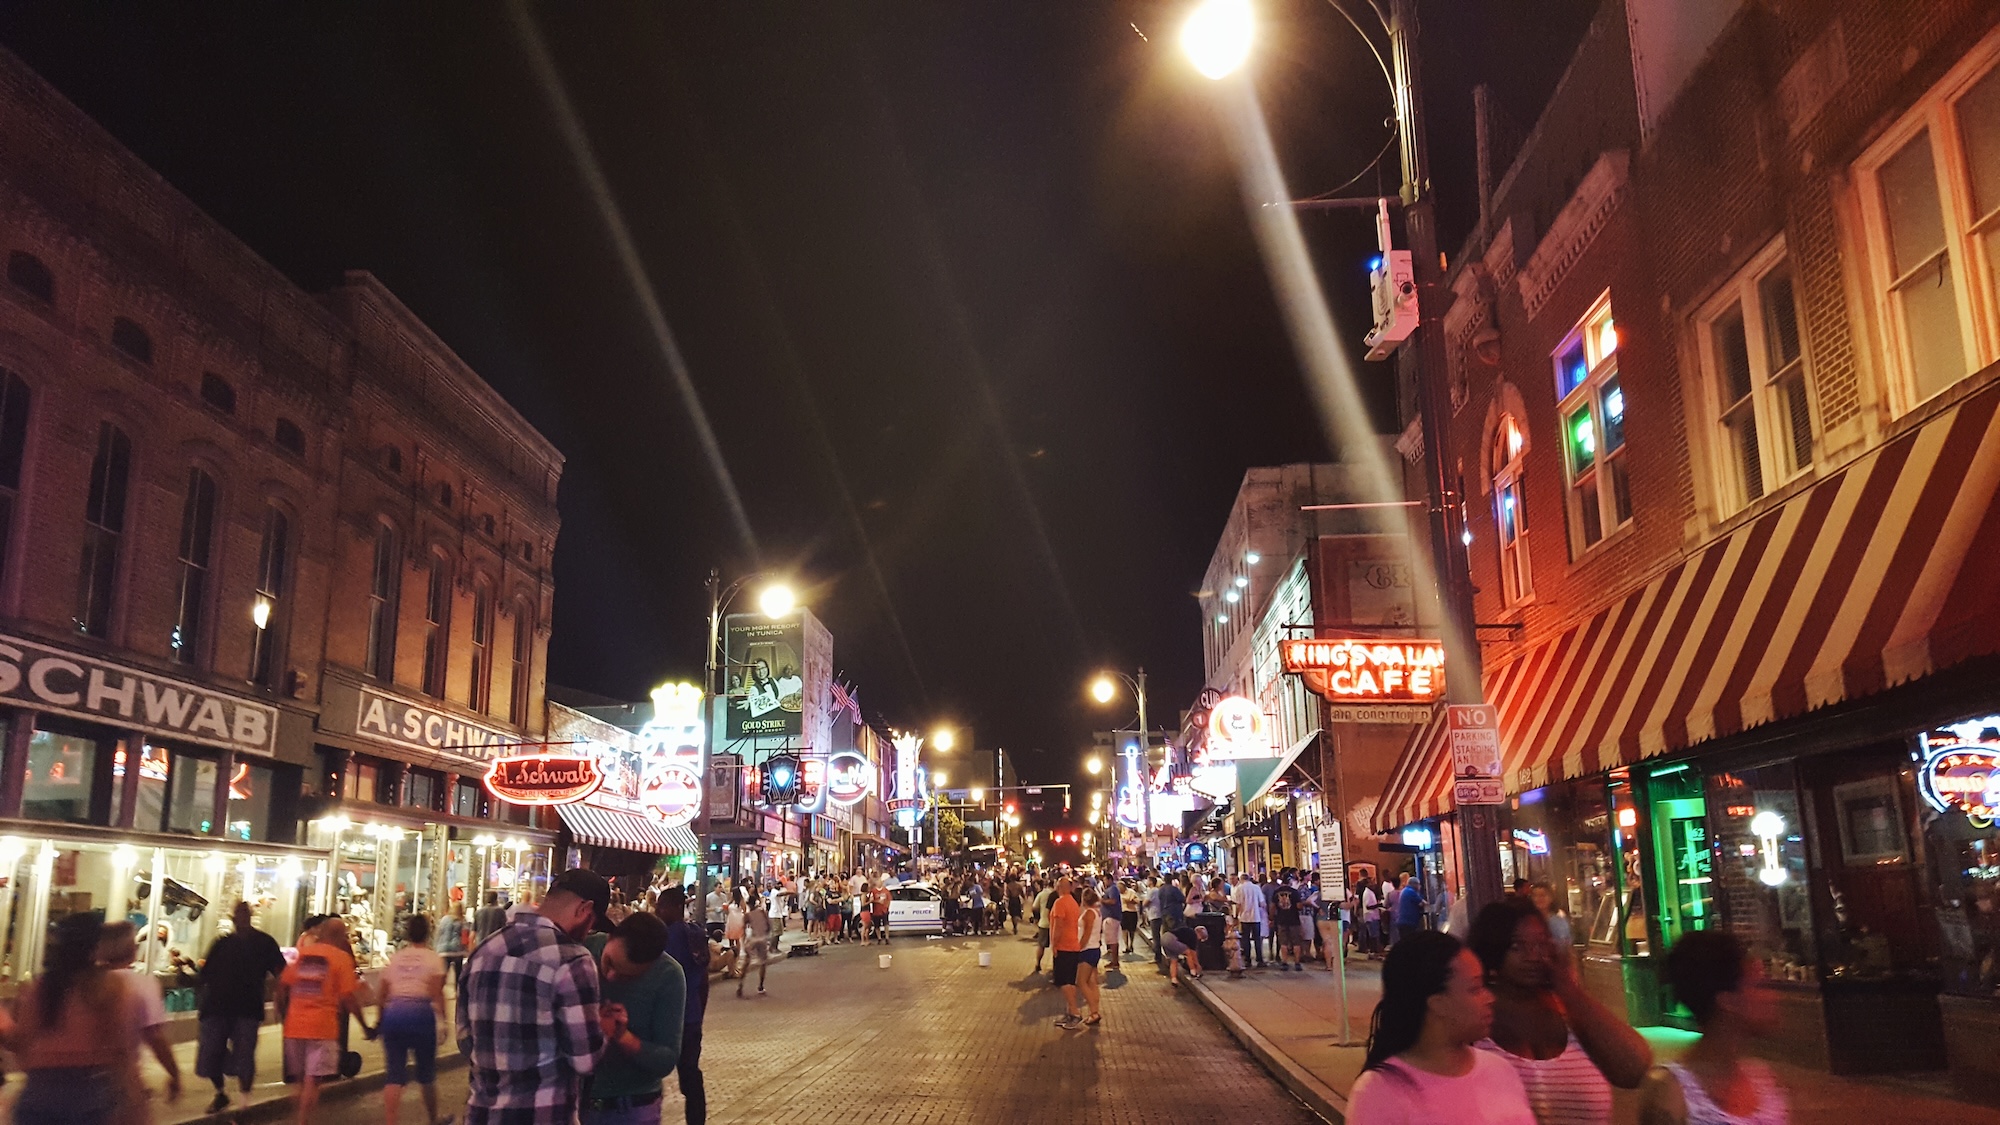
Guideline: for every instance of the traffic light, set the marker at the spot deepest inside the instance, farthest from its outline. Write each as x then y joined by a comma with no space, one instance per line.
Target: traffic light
779,779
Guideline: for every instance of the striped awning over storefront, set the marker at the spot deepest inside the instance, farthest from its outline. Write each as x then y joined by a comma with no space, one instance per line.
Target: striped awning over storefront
1876,575
609,828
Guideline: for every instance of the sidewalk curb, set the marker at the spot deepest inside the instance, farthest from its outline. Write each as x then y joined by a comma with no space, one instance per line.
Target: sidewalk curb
285,1107
1303,1084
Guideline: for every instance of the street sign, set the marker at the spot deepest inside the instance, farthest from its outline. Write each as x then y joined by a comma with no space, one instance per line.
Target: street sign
1476,791
1332,864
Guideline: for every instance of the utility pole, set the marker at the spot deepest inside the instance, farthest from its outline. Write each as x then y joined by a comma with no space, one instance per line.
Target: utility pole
1424,358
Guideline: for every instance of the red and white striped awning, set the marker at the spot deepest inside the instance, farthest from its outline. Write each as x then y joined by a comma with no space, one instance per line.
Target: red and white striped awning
1877,575
611,828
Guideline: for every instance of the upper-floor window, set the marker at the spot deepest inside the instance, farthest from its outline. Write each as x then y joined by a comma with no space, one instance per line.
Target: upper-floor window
444,496
290,437
1754,364
197,537
381,655
1930,201
1592,408
131,339
269,613
392,458
482,646
437,621
103,528
524,631
14,401
31,276
1510,510
217,393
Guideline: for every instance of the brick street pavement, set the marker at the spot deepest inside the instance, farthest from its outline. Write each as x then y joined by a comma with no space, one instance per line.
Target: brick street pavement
935,1038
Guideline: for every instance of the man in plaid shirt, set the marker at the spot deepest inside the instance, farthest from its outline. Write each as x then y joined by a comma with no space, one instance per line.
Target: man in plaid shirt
528,1018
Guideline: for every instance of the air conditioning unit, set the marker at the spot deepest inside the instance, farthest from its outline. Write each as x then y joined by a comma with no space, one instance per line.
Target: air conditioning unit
1392,284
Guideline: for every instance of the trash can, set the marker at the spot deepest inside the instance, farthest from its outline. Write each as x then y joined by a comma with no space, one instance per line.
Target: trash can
1209,952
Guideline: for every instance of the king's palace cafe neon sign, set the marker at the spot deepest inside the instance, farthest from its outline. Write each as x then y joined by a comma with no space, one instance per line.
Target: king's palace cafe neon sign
1354,670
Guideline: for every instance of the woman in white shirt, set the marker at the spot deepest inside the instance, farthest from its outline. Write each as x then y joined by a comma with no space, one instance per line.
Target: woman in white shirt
412,1020
1421,1067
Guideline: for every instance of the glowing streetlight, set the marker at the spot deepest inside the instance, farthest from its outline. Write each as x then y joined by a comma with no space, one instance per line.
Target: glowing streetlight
1103,689
979,796
1094,765
1217,36
943,739
777,600
260,613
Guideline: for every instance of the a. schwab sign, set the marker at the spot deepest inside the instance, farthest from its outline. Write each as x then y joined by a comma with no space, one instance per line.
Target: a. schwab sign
381,717
46,678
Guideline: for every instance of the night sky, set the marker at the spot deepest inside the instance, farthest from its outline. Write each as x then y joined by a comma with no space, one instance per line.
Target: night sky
966,290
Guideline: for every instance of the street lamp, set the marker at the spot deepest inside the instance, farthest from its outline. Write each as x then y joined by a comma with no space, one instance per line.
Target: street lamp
1095,765
775,600
1104,690
1217,41
943,740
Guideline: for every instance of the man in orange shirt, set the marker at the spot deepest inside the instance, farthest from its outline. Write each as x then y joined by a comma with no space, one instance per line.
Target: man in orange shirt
316,990
1066,938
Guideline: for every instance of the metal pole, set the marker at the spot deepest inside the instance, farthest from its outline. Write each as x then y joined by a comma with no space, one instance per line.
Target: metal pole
1145,774
1479,834
701,825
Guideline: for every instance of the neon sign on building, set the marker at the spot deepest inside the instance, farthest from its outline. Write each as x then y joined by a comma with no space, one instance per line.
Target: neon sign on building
1961,770
1352,670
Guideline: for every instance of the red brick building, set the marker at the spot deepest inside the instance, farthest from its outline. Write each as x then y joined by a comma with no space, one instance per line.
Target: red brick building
1726,362
283,552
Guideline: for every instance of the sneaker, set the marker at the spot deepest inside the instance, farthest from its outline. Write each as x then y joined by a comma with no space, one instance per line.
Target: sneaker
1069,1023
220,1103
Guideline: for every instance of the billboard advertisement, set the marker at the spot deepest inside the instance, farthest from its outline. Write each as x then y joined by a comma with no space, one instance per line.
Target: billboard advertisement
766,676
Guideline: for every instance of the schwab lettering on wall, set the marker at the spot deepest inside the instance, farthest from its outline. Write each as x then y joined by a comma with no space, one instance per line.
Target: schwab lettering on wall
44,678
379,716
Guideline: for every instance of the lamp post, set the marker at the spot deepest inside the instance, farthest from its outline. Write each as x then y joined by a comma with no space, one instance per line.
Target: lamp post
1104,690
1217,39
776,600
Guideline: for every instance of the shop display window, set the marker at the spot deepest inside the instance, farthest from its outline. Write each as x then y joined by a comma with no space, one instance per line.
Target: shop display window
1621,919
1762,882
1683,861
61,771
1959,811
1557,836
1867,911
191,781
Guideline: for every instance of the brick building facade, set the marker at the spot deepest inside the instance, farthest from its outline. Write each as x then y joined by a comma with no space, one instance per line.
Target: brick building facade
1726,352
284,549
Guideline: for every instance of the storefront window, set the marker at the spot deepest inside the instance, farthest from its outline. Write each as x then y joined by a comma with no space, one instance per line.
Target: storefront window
192,782
61,769
1964,849
1683,861
1762,885
150,812
1620,920
1557,837
250,803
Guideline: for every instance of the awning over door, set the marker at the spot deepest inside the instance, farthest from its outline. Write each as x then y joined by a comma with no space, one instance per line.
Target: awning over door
1876,575
609,828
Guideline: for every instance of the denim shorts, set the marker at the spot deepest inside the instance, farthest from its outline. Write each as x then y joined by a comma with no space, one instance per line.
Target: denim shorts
409,1027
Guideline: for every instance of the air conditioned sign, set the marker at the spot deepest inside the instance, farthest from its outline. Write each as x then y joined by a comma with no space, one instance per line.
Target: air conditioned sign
45,678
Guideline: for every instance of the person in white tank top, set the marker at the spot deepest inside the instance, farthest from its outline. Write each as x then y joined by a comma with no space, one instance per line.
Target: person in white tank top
1568,1049
1714,1083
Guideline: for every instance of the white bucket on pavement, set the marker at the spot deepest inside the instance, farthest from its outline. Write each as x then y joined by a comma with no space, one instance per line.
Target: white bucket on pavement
882,960
985,959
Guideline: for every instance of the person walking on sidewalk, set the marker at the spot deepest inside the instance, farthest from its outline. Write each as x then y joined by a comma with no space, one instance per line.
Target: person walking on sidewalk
1250,918
1421,1067
74,1033
412,1020
1089,980
1287,930
232,1005
1713,1084
1409,903
1172,915
757,946
1128,912
489,919
1065,921
1039,915
318,992
1568,1049
645,1000
117,949
528,1019
687,944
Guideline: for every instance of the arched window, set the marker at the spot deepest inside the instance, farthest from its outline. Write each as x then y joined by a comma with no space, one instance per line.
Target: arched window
523,651
197,537
131,339
1510,510
103,528
381,653
289,437
31,276
437,623
217,393
14,402
482,647
269,613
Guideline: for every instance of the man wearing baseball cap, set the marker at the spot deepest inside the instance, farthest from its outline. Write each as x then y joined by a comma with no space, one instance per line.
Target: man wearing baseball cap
528,1016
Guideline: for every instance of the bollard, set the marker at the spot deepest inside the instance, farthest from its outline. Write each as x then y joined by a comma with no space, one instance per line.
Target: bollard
985,959
882,960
